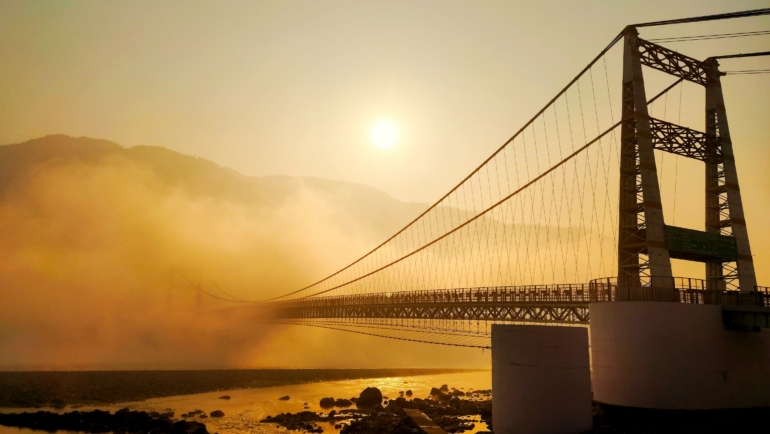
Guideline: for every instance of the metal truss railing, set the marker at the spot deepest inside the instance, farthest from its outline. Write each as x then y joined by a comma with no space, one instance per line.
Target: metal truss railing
495,294
557,303
679,290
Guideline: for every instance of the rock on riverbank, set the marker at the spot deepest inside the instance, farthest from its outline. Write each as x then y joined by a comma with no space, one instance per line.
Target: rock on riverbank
101,421
447,410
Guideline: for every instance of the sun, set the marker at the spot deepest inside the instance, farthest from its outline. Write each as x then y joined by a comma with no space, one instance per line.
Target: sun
384,134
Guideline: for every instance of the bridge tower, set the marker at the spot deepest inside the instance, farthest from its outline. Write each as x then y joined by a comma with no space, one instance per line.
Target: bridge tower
645,243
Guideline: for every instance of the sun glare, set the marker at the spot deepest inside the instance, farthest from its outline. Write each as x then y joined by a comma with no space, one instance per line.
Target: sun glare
384,134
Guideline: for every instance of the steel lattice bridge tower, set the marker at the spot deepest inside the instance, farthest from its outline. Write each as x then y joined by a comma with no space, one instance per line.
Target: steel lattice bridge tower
573,196
646,244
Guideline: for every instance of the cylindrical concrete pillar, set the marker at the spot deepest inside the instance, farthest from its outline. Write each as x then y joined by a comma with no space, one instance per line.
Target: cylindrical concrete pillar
541,381
676,356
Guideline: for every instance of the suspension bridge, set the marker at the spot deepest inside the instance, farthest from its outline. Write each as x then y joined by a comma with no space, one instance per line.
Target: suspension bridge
567,212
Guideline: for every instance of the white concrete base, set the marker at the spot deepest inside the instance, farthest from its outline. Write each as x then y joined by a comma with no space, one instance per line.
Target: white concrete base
676,356
540,380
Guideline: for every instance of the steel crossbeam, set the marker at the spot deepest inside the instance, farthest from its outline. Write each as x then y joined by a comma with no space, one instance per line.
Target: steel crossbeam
683,141
671,62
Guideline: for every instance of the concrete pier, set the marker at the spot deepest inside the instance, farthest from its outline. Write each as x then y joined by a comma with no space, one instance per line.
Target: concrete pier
541,381
676,356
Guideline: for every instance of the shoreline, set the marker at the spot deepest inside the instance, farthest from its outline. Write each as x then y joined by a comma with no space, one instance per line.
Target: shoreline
59,389
274,409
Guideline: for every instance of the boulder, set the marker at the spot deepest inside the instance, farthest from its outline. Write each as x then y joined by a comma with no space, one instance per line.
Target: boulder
225,397
444,388
284,398
395,409
327,402
409,392
123,412
435,392
340,402
217,413
458,393
369,397
190,427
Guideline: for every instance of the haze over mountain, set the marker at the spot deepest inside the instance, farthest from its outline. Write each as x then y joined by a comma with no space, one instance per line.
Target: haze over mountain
201,178
92,231
164,180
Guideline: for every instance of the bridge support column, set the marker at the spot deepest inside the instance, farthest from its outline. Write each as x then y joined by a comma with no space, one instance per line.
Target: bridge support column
676,356
540,379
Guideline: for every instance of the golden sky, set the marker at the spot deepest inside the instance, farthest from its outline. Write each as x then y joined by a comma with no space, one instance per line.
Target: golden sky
294,87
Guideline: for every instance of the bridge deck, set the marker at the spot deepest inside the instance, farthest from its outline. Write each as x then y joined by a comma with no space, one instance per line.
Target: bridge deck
557,303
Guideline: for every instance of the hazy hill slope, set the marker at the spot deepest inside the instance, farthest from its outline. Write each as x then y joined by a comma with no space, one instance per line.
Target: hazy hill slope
103,248
371,208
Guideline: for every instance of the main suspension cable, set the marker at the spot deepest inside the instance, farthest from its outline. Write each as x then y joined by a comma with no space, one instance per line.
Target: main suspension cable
477,169
716,17
708,37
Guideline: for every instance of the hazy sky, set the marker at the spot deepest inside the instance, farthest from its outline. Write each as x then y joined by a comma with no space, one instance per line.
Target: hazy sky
294,87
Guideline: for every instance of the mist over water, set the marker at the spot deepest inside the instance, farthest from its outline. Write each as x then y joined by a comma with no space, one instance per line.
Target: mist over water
102,247
88,252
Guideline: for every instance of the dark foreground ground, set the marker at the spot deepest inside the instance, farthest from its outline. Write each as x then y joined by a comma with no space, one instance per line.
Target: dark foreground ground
449,409
368,413
610,419
58,389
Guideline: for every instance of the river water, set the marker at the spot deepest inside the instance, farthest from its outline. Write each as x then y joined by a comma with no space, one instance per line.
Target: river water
248,406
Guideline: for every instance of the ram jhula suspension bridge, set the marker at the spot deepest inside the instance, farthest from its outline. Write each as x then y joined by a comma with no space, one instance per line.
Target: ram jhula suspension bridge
573,196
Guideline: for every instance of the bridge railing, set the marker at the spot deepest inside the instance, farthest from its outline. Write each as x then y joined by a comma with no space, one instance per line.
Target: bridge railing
570,293
677,289
681,290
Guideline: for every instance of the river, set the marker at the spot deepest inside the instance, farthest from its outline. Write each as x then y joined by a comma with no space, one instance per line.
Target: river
246,407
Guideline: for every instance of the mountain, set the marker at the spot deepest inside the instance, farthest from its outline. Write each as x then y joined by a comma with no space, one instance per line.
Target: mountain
102,248
368,206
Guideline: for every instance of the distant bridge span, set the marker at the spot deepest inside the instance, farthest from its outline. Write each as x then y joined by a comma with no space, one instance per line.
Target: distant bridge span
556,303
